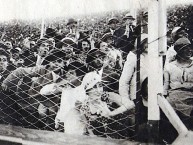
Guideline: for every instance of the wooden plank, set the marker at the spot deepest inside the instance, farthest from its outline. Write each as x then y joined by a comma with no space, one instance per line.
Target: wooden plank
171,115
186,139
154,66
40,137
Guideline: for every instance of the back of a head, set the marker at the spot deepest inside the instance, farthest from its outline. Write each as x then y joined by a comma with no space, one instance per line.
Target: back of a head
80,68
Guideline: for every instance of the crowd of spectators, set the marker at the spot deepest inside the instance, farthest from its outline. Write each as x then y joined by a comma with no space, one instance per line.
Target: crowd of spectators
80,75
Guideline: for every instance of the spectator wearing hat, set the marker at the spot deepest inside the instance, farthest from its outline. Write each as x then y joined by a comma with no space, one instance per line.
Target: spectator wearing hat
69,47
52,34
177,32
50,71
72,25
15,59
112,23
124,37
178,78
107,43
71,113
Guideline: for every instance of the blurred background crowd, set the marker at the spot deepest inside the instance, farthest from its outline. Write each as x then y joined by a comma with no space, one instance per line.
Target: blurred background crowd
78,74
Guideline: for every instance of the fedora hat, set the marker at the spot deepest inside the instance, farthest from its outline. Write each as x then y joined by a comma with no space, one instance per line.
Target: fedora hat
128,16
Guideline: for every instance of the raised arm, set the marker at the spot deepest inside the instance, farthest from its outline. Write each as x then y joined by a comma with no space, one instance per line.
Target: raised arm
16,75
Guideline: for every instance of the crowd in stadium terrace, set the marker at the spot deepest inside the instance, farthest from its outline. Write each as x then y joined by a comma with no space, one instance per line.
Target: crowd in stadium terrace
81,79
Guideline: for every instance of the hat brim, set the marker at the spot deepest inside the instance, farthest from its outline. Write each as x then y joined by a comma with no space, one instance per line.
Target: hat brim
74,22
181,48
112,20
131,18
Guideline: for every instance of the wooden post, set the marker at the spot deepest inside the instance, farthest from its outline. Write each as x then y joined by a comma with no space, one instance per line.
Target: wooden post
155,74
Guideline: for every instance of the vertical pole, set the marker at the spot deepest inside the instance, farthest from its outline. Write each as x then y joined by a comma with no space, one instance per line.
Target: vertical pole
162,28
155,75
138,88
42,28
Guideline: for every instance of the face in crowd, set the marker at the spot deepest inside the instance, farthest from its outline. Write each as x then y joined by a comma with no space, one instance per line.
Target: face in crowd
56,65
85,46
15,55
73,27
113,25
8,44
104,47
129,22
97,63
53,42
96,91
68,50
3,63
186,53
109,62
44,49
182,33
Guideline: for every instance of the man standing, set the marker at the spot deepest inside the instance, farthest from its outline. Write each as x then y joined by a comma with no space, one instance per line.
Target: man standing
125,36
112,23
44,46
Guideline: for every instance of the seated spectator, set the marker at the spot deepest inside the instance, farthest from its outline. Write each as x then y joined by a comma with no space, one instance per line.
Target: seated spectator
177,32
178,76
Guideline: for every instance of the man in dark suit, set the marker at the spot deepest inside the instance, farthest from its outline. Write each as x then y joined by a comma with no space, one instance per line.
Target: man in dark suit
74,31
112,23
125,36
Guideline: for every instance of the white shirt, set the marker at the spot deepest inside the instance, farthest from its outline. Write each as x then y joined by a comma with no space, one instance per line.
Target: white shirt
127,82
39,60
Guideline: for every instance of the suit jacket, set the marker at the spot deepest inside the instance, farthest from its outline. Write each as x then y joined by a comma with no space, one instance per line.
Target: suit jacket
31,94
121,41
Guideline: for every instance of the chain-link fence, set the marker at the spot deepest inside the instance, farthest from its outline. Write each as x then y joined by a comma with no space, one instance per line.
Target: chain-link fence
80,82
71,84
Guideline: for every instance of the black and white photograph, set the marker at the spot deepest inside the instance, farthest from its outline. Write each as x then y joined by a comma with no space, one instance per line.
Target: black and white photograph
96,72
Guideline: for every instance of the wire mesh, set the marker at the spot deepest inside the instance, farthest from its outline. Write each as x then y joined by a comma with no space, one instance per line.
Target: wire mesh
24,105
32,94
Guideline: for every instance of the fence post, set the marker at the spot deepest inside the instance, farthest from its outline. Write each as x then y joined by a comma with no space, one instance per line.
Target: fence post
138,93
155,73
42,28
